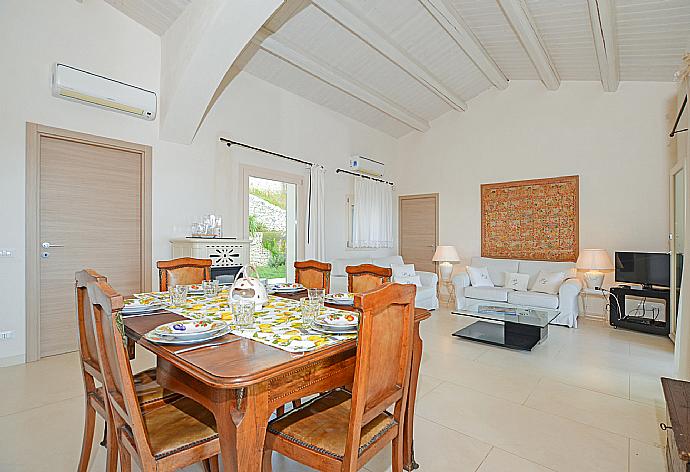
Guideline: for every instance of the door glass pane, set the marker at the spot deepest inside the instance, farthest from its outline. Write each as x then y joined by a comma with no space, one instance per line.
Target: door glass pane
272,228
678,229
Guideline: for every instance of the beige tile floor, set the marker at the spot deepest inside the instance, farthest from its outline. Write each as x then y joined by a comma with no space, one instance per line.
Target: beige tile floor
586,400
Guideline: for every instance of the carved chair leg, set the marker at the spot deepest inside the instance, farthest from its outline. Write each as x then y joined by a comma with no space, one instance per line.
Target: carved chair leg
213,462
266,461
87,440
296,403
397,453
206,465
280,411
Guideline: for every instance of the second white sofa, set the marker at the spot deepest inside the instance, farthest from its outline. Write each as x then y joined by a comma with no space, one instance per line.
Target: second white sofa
566,301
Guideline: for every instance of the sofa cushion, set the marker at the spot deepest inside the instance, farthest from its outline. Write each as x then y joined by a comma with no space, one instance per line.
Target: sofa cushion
494,294
479,277
548,282
403,270
408,279
517,281
387,261
497,268
541,300
532,268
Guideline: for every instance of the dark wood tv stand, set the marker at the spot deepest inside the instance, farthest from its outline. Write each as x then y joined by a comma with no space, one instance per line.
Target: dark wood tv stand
618,318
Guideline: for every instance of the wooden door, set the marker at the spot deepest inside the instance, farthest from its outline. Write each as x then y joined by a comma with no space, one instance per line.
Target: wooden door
418,230
92,210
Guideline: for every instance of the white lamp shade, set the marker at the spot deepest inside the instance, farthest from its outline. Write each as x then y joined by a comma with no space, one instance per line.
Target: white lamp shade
594,259
446,254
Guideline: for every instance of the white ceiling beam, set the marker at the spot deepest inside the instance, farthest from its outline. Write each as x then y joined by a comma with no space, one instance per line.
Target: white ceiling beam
324,72
377,39
451,21
196,52
602,14
520,20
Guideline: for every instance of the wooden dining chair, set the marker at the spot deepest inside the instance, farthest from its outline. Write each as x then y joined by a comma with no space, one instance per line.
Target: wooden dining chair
149,394
183,271
365,277
313,274
341,431
172,436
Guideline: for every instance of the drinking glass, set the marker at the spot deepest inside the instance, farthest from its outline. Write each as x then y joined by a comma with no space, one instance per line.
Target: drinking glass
178,294
244,312
210,287
309,307
317,294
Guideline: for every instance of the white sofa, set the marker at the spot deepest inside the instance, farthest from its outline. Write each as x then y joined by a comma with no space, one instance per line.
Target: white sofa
566,300
426,294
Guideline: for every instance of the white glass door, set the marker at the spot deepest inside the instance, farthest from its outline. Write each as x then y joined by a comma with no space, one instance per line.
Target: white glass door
272,209
677,239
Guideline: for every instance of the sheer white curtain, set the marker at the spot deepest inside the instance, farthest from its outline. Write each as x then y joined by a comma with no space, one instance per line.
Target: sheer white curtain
372,222
315,247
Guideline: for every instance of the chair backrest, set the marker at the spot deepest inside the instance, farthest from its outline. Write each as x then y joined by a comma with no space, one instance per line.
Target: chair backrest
365,277
183,271
117,371
384,357
313,274
88,351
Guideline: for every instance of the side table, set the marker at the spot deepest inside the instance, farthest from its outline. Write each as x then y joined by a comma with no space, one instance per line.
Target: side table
588,295
450,289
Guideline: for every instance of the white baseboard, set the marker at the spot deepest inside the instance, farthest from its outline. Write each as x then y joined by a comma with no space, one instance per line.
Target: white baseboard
12,360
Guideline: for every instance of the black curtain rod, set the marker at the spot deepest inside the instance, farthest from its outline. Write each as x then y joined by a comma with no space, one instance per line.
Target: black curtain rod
675,125
337,171
230,142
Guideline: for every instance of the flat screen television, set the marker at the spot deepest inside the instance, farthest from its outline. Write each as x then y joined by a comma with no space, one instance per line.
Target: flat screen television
646,268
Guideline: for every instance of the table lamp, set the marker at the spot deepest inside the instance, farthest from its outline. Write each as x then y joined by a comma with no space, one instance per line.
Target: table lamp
595,262
446,255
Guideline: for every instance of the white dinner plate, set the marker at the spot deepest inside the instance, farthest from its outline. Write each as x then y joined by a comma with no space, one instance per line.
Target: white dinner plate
338,320
340,298
189,329
287,288
151,336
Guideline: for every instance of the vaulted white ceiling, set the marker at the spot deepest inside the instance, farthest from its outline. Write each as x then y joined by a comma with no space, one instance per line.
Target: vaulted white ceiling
156,15
395,65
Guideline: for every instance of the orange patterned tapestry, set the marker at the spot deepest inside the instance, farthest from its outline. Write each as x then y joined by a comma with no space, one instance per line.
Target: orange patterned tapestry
531,219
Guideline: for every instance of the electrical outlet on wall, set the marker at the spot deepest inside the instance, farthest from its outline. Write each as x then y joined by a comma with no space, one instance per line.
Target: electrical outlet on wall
6,253
4,335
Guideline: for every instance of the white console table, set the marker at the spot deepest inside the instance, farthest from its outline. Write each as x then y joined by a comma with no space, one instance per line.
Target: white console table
228,254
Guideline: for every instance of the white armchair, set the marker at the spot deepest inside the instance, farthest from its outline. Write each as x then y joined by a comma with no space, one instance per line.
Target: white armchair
426,294
461,282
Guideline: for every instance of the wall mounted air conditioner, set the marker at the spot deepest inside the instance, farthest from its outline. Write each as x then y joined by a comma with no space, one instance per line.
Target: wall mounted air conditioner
365,165
81,86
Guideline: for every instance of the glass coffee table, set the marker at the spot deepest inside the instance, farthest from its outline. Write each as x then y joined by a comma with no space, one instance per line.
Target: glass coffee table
502,324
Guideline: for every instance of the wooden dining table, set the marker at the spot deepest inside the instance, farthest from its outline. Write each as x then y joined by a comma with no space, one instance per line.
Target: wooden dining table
243,382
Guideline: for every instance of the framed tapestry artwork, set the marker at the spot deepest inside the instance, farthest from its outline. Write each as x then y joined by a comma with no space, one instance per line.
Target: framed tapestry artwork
531,219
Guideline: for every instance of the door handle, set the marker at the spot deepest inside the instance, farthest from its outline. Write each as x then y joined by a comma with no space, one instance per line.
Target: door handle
47,245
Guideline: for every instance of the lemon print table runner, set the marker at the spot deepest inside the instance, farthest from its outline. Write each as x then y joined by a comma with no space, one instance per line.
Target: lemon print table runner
278,323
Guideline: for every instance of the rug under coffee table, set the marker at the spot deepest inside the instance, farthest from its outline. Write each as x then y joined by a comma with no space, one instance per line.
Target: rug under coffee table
502,324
